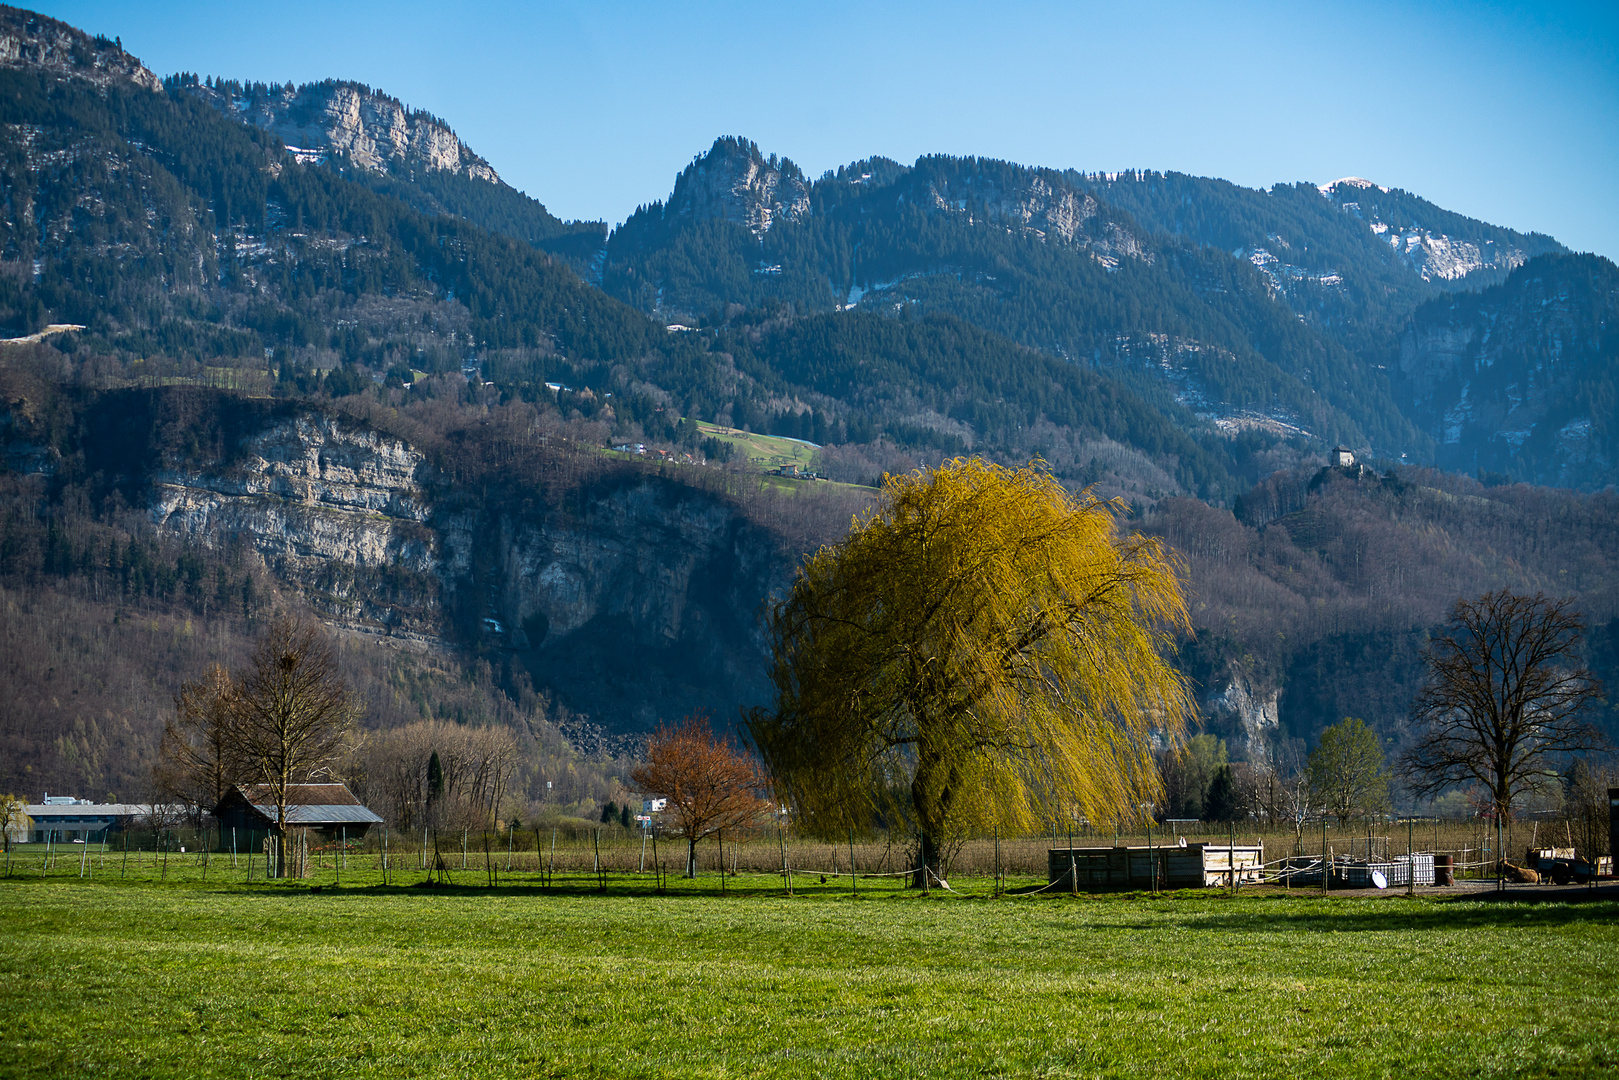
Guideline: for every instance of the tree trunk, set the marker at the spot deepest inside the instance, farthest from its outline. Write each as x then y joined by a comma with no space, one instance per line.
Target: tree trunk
928,863
691,856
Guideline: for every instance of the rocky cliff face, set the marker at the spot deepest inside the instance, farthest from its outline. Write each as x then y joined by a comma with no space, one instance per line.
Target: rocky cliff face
33,41
1428,251
734,182
1511,380
372,130
637,601
640,603
334,510
1041,203
1247,715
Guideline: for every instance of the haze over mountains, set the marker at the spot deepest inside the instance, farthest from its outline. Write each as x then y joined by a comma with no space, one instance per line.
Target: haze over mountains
323,353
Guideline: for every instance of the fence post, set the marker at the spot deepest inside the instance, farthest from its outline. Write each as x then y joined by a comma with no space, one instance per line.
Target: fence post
1326,867
854,882
1410,858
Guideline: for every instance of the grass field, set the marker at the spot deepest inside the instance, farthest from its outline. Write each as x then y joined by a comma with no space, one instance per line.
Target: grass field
765,451
115,978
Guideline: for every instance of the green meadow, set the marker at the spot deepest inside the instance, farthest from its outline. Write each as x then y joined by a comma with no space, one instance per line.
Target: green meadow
765,451
113,978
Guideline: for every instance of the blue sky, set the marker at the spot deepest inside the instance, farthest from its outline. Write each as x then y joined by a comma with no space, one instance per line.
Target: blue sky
1505,112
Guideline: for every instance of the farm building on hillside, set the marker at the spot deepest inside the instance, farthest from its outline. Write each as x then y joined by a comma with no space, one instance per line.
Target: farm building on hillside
330,808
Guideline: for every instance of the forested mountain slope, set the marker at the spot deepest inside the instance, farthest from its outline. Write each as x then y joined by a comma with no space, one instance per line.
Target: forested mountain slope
364,378
1315,601
1522,380
1026,253
1351,258
190,245
457,536
402,152
447,535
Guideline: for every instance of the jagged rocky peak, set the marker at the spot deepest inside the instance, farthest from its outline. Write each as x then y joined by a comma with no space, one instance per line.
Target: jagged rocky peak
735,182
31,40
374,131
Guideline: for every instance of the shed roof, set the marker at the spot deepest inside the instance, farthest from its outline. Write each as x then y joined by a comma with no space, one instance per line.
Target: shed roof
311,804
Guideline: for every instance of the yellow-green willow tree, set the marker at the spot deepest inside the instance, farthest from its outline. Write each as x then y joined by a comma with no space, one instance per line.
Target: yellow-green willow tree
984,648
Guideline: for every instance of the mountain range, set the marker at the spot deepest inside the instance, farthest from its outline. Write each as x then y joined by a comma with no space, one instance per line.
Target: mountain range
275,343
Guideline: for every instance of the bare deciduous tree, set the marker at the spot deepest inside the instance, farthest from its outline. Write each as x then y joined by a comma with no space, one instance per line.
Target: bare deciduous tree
710,784
1506,697
198,763
291,711
475,770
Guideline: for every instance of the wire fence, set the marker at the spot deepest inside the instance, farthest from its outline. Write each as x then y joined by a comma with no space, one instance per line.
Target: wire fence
572,856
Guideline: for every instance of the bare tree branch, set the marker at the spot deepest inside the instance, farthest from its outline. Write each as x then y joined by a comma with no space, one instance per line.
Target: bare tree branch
1506,696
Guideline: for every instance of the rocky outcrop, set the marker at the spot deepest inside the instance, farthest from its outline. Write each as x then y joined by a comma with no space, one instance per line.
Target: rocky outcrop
1037,206
373,131
1426,251
1246,714
640,603
334,509
1507,380
631,602
1040,203
734,182
33,41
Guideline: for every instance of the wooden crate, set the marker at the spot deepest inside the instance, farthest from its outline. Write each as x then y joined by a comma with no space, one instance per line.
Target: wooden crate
1193,866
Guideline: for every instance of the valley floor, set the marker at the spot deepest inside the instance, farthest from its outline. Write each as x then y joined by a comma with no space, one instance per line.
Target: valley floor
109,978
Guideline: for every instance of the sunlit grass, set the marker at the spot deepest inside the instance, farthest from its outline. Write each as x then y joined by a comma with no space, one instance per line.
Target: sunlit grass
120,979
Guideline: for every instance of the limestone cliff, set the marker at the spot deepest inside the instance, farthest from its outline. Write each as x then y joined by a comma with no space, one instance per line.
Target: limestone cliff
735,182
29,40
372,130
630,601
1426,248
1245,714
334,510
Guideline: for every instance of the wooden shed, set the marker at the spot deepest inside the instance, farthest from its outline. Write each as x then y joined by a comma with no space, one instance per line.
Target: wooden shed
329,808
1194,866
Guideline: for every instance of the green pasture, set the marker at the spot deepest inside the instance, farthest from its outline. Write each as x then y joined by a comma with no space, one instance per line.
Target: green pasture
115,977
765,451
